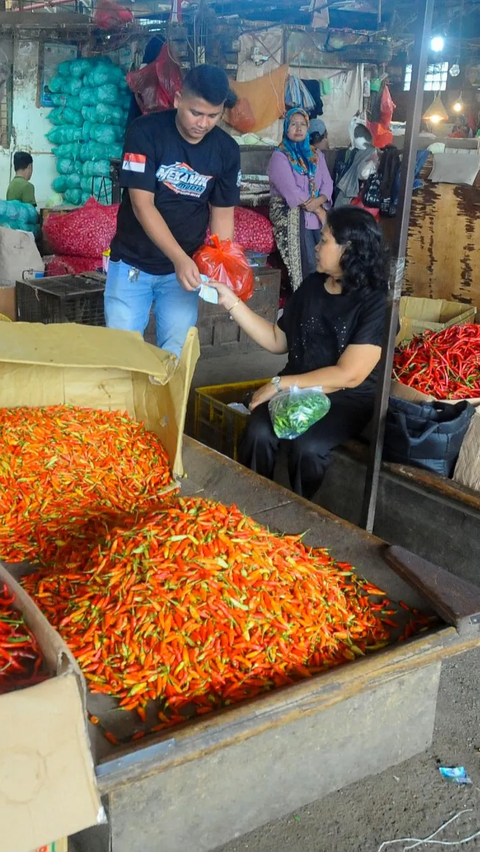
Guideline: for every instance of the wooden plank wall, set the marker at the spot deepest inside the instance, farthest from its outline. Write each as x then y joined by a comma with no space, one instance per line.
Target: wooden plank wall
443,252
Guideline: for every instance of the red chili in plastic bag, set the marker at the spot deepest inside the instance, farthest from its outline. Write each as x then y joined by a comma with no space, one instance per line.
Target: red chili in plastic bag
225,261
155,85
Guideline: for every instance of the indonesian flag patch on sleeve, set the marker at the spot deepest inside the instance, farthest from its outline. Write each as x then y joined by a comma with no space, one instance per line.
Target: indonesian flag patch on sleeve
134,163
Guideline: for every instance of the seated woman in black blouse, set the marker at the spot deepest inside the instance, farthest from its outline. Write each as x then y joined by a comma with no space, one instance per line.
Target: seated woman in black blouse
332,330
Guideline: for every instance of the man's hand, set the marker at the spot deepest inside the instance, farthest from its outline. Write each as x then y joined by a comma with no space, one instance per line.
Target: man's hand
187,273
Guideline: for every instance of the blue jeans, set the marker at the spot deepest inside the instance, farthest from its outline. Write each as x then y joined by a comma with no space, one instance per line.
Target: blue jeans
129,295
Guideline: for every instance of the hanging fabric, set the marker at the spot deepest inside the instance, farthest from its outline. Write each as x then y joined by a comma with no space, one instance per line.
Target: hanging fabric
297,94
315,90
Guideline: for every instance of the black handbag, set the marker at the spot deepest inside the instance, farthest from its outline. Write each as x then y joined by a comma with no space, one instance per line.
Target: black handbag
427,434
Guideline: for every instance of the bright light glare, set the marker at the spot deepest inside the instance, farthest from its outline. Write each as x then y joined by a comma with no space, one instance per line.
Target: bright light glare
458,107
437,43
435,119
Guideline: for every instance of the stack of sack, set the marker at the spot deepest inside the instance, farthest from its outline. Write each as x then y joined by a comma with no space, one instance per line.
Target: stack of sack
91,100
18,216
79,238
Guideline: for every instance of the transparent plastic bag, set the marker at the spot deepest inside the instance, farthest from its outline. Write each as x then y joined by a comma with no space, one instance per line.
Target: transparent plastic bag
222,260
293,411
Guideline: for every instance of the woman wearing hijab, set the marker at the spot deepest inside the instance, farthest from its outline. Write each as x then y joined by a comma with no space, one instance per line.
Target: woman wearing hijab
300,193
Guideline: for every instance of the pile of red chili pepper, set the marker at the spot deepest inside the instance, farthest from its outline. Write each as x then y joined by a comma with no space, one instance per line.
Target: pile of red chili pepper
61,465
198,604
20,657
445,364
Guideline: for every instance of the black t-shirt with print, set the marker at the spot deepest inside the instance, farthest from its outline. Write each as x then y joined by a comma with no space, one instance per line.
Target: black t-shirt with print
185,179
319,326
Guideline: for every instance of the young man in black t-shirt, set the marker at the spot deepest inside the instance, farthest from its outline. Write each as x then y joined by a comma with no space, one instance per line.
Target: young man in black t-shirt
180,172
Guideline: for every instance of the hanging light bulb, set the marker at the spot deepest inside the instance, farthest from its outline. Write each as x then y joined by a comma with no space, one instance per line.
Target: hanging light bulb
437,43
458,105
454,70
436,112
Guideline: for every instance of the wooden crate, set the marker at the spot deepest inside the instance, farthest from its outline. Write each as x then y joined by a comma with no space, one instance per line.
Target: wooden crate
218,332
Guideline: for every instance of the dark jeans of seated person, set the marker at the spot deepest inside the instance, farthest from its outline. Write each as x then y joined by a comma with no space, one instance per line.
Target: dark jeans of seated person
309,455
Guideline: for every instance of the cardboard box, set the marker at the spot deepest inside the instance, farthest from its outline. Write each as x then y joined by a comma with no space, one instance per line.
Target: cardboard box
57,846
402,391
8,303
419,315
47,779
103,368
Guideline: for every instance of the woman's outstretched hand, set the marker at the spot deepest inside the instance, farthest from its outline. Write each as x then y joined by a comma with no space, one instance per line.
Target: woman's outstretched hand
263,394
226,297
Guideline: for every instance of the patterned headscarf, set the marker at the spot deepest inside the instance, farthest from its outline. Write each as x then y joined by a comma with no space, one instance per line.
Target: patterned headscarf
300,155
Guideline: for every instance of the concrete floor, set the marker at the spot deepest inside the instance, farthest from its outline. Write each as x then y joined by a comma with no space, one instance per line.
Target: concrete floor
411,800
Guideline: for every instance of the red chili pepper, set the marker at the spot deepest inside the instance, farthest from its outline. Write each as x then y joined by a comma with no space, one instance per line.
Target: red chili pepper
20,656
244,610
445,364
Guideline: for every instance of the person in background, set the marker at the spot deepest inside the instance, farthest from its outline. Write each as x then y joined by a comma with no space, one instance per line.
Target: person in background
318,135
180,173
332,331
151,53
301,191
20,188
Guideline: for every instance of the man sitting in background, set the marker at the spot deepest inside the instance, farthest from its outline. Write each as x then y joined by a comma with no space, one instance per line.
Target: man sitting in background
20,188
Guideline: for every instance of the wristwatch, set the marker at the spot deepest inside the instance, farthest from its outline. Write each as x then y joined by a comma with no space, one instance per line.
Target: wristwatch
276,383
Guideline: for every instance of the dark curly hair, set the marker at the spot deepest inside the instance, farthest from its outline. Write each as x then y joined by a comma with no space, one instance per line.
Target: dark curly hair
365,263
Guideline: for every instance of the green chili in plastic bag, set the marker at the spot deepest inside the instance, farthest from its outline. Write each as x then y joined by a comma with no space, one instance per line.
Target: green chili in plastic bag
293,411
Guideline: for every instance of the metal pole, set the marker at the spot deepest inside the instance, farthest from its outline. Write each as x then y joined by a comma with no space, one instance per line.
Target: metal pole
399,247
